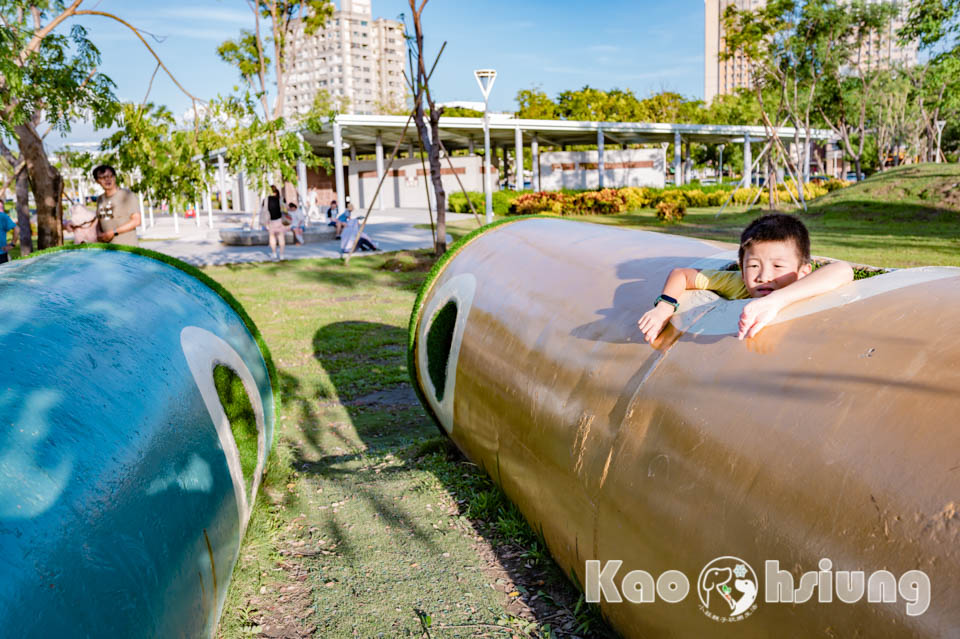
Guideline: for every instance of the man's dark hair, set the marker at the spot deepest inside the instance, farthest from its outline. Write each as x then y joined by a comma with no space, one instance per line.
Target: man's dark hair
103,168
777,227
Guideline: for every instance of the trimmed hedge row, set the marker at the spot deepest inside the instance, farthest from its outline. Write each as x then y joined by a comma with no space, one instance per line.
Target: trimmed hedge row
628,198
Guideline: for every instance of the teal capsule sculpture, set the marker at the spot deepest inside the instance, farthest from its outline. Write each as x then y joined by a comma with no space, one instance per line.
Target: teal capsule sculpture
125,488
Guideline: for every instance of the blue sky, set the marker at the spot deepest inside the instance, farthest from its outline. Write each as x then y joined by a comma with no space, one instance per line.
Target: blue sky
644,45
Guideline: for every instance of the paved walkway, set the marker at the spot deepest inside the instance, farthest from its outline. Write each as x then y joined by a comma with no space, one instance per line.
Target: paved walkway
391,230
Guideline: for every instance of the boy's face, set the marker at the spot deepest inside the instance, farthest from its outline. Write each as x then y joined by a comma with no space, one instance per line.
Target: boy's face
768,266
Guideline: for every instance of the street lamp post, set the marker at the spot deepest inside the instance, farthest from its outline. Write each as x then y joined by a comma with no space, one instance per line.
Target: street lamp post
485,79
940,125
720,169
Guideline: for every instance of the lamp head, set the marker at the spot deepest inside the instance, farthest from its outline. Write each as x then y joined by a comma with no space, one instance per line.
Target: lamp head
485,79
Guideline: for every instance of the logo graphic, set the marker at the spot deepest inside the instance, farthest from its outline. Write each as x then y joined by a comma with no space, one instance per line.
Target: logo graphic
728,589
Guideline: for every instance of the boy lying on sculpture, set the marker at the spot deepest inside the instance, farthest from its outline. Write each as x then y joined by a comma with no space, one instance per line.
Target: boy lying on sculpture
774,268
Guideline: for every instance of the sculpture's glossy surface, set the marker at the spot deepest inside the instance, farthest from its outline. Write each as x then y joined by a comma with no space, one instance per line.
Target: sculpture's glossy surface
122,500
832,434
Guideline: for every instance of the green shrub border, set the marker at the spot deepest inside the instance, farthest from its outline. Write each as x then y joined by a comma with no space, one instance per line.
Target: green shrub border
212,284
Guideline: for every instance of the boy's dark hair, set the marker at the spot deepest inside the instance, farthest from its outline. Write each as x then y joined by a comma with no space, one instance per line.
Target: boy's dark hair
777,227
103,168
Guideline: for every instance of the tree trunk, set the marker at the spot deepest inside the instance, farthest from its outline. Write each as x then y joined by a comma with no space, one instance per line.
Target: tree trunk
23,213
771,184
47,186
856,163
433,154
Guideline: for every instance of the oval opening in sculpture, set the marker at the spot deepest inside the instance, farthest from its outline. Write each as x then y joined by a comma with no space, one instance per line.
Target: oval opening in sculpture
243,420
439,341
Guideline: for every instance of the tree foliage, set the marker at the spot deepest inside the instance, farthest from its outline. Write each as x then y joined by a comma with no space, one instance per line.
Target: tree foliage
45,77
281,19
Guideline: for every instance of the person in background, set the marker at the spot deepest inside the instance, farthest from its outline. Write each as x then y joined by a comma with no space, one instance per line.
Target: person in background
313,205
298,222
342,219
6,224
83,224
274,223
118,210
352,232
332,213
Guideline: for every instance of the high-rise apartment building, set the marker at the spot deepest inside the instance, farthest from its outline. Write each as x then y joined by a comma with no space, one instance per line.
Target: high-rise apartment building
353,56
881,50
723,76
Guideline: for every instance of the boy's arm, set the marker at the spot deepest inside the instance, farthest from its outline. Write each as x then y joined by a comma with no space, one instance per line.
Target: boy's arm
761,312
653,321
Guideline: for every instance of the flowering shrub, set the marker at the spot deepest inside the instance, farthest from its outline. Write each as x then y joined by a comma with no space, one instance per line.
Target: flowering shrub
696,197
833,184
745,195
671,210
549,202
636,197
717,198
602,202
628,198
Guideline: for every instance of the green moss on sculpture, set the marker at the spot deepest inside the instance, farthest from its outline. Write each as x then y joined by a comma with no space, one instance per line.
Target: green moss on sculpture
421,296
439,341
243,420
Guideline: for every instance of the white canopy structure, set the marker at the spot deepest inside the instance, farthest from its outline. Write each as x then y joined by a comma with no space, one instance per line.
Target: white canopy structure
365,134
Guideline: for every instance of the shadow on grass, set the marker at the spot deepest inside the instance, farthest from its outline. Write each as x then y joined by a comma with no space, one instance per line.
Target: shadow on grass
366,366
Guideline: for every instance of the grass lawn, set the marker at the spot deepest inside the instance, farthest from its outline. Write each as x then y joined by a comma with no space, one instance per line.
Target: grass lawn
909,216
369,525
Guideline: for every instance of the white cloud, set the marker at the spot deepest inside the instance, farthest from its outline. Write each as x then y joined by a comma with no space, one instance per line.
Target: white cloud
214,14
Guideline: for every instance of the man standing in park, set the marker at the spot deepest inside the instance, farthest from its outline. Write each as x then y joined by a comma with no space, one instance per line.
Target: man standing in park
118,210
6,224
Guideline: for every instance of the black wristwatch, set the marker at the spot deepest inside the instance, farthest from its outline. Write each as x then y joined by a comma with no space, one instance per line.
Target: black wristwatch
668,300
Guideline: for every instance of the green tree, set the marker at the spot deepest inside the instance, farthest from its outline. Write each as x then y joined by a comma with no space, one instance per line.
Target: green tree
249,53
740,107
668,106
534,104
266,143
592,104
461,112
50,77
164,158
932,24
45,77
893,116
844,101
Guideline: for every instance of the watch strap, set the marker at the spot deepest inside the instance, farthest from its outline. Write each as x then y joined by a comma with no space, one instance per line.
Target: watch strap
669,300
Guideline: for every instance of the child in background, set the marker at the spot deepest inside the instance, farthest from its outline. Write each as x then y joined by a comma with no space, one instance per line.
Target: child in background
298,222
83,224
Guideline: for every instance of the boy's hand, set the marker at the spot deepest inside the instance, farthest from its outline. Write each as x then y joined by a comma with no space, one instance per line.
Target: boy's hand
654,320
756,315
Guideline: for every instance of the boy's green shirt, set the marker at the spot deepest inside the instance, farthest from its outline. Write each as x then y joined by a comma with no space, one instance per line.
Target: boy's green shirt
729,284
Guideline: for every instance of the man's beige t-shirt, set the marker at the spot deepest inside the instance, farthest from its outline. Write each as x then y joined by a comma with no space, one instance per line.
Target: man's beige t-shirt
115,211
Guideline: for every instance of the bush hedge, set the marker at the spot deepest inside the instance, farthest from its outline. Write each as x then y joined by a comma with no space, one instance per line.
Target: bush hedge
630,198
